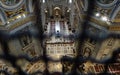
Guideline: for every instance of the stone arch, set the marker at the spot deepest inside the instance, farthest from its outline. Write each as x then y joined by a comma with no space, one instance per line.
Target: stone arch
3,17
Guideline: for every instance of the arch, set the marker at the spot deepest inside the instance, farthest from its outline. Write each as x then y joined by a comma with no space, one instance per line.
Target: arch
107,5
29,6
85,5
3,17
7,7
87,52
114,12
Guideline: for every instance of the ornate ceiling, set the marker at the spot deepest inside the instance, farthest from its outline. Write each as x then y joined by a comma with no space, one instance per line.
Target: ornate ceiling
92,29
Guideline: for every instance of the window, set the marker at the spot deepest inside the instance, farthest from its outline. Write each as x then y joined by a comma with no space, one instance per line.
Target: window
87,52
25,40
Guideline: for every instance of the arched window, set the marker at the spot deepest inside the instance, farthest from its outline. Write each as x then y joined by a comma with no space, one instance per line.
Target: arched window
25,40
87,52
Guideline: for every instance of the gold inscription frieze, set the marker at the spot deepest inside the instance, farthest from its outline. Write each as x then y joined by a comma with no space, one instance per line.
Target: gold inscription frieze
22,22
13,13
114,28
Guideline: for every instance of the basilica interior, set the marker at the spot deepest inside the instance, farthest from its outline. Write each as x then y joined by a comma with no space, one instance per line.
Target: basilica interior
59,37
